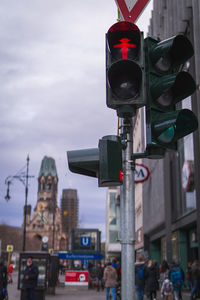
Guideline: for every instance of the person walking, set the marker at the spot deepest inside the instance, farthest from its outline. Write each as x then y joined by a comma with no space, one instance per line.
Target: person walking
195,276
3,280
10,272
140,277
151,280
30,279
99,276
164,271
110,279
177,279
189,275
167,289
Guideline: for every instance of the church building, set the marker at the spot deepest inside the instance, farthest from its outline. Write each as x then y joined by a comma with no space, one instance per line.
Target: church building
46,224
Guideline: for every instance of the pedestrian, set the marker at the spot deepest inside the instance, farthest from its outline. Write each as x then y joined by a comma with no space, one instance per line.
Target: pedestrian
10,272
195,276
140,277
189,275
3,280
177,279
30,279
117,266
151,280
99,277
110,279
118,269
164,271
167,289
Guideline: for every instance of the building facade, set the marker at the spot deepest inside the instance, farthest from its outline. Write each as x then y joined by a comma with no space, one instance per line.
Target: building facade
113,246
46,219
171,197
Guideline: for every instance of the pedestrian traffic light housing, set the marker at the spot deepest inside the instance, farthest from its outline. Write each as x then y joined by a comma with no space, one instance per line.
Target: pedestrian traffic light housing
124,68
165,87
104,162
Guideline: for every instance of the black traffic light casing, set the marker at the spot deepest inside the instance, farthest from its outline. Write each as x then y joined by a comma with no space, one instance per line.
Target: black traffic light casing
165,87
124,68
104,162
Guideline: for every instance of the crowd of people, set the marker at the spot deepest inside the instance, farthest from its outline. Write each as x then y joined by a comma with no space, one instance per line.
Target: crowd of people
150,277
169,279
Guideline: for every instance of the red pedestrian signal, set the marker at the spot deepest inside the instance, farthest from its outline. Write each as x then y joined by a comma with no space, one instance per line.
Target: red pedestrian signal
124,68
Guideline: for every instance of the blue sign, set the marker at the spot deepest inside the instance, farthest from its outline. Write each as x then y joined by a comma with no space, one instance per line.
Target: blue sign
78,256
85,241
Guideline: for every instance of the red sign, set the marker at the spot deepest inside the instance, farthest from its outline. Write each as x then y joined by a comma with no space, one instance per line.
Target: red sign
79,278
131,13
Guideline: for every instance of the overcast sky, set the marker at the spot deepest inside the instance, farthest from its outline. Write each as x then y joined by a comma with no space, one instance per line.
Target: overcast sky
52,85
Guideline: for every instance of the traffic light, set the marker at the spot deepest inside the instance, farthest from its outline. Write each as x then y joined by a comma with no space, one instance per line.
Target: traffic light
104,162
124,68
165,87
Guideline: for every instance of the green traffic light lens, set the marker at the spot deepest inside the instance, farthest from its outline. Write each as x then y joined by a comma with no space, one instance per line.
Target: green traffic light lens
171,126
167,136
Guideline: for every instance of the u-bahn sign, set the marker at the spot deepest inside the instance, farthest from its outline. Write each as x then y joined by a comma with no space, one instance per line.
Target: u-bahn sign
131,9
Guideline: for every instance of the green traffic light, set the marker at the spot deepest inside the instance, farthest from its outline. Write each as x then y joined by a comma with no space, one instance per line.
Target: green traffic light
165,87
169,127
168,135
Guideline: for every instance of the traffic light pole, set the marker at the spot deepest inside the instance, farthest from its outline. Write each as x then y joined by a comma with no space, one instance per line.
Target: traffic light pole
127,212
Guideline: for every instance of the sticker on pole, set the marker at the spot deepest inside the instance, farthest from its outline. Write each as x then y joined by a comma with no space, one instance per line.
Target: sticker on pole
141,173
131,9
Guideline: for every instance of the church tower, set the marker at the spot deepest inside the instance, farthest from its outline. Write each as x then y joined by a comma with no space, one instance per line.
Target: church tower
46,220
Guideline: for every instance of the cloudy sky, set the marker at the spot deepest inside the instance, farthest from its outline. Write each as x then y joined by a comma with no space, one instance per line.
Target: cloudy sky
52,85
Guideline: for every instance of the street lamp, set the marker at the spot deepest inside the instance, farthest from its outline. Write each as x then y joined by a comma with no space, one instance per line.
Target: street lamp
22,176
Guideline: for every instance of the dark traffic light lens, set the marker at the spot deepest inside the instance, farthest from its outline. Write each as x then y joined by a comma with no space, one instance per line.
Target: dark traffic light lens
124,79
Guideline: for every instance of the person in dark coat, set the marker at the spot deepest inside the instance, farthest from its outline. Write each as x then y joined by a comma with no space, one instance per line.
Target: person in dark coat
140,277
195,276
99,275
3,279
30,279
151,280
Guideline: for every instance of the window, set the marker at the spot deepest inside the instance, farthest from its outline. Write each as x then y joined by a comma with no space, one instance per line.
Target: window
113,237
186,154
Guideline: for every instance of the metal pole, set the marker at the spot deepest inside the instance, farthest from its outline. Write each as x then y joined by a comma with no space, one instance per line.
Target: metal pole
25,208
127,211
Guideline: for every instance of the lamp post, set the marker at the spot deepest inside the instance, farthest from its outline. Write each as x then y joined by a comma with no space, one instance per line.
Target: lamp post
22,176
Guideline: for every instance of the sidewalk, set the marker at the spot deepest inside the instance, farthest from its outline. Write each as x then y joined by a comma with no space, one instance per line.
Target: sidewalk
62,292
71,293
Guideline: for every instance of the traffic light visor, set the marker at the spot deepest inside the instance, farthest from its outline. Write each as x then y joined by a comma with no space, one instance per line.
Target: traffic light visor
123,40
170,89
124,79
171,53
85,162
